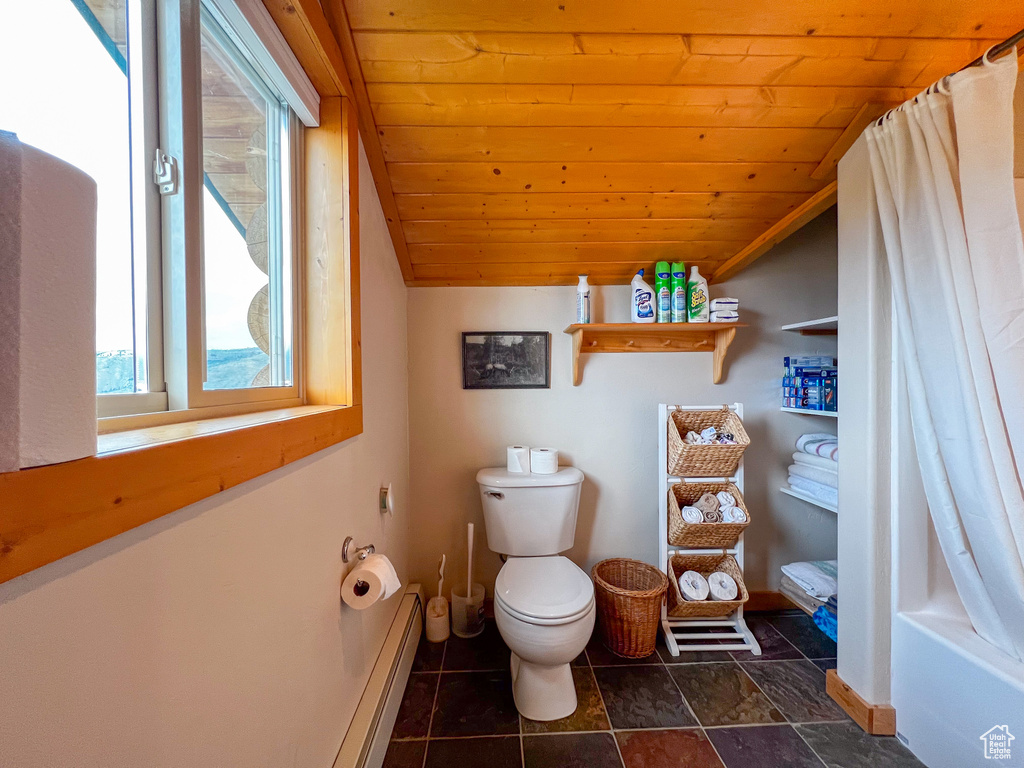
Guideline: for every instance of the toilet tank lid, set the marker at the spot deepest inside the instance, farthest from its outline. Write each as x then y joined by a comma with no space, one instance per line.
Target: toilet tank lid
499,477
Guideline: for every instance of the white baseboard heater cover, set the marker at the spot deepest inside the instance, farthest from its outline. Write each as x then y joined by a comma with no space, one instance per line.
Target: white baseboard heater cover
367,739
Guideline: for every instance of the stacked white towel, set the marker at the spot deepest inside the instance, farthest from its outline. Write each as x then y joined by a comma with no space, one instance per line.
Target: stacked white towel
815,467
818,578
819,444
725,310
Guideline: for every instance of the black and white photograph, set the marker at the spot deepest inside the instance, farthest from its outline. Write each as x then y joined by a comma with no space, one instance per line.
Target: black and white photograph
506,360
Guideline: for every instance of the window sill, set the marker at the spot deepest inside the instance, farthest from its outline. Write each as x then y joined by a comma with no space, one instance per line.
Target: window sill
139,475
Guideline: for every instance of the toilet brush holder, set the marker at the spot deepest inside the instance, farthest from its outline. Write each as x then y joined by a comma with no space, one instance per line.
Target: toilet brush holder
468,611
437,620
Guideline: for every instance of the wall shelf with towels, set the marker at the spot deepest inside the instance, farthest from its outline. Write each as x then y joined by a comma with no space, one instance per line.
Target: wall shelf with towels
651,337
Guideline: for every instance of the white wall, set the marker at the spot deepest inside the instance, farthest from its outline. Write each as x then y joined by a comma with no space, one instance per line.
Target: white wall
214,636
606,426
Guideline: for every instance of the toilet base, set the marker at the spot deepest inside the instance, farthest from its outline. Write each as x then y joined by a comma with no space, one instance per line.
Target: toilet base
543,692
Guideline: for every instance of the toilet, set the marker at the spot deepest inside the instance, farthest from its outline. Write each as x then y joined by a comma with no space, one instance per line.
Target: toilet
543,602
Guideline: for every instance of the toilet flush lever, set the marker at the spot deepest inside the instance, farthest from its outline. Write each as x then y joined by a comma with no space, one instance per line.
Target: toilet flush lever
495,494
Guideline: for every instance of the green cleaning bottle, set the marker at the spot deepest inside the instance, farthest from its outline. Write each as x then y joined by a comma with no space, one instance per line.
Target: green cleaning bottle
663,291
678,292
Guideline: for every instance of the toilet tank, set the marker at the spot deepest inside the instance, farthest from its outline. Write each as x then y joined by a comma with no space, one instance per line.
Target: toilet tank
530,515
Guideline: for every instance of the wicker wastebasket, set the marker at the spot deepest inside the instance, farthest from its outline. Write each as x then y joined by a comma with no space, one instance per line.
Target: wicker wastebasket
629,594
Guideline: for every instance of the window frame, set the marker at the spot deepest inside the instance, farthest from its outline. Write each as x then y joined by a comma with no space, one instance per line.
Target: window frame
145,236
141,474
170,252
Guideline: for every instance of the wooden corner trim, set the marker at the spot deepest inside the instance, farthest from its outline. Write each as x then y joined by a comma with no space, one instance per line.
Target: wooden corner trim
47,513
817,203
876,719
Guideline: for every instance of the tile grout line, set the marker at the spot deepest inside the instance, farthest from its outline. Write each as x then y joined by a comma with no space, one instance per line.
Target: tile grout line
813,750
433,708
686,701
607,714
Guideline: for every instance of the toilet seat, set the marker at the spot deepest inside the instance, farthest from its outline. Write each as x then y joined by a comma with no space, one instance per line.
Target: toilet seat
544,590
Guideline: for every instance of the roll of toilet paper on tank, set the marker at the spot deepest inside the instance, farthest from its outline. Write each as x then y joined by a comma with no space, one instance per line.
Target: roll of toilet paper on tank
543,461
518,458
372,579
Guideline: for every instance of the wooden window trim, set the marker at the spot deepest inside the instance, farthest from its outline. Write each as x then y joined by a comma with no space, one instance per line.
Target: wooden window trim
47,513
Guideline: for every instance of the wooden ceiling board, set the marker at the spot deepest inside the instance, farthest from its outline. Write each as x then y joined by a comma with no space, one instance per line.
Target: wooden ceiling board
587,205
602,177
523,142
715,252
850,18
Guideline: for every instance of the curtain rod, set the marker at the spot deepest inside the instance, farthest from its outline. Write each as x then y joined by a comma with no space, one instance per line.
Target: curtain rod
996,50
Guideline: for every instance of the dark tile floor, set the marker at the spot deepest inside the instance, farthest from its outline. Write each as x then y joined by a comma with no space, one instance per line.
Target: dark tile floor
705,710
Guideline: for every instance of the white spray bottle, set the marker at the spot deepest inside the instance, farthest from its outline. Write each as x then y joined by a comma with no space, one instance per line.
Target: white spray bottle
642,305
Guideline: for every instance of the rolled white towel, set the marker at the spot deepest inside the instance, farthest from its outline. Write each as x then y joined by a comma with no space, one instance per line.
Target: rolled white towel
733,515
726,499
693,586
692,515
722,586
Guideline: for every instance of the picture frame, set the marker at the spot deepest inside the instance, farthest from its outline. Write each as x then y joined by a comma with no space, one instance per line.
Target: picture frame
506,360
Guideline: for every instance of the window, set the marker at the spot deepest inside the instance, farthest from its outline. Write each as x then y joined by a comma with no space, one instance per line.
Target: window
188,125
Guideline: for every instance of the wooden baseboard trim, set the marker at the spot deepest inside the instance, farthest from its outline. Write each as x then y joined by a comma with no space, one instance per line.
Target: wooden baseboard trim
768,601
876,719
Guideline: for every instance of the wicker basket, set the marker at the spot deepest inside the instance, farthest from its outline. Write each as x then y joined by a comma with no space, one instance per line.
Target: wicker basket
707,535
705,565
686,460
629,595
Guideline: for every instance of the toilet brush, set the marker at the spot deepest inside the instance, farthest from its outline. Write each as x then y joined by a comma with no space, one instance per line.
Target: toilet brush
437,608
468,607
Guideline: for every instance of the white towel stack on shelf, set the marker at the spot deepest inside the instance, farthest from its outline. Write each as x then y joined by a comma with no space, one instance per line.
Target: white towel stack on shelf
725,310
815,467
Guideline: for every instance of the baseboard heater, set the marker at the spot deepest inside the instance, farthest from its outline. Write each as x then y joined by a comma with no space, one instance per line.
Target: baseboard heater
368,735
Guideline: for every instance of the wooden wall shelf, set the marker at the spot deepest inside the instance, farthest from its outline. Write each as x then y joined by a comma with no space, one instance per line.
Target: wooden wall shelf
651,337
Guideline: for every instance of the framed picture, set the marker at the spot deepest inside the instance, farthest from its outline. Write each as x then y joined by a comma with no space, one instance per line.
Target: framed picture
506,360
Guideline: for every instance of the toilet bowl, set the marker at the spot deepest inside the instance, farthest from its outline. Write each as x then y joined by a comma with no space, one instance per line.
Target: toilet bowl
545,611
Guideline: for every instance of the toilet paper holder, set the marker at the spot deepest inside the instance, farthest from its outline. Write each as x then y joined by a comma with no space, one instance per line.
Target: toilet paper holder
359,552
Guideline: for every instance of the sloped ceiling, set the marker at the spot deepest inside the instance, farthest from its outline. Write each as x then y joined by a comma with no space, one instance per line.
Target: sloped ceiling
528,141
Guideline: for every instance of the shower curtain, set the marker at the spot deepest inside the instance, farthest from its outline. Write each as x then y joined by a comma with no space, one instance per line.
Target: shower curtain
942,167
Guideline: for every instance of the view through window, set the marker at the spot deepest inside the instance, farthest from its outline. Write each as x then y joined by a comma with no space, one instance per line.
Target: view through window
77,107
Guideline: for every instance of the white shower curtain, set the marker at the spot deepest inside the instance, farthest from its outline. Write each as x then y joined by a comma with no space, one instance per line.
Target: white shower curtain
943,174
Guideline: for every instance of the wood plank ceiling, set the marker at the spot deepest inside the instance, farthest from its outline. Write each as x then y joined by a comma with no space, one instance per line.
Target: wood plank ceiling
528,141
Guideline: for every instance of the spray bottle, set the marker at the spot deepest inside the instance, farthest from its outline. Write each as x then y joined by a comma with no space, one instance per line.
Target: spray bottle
583,300
678,292
663,291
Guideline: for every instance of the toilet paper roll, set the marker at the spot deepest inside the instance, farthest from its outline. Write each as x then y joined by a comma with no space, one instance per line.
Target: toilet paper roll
722,586
372,579
692,515
543,461
693,586
518,458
